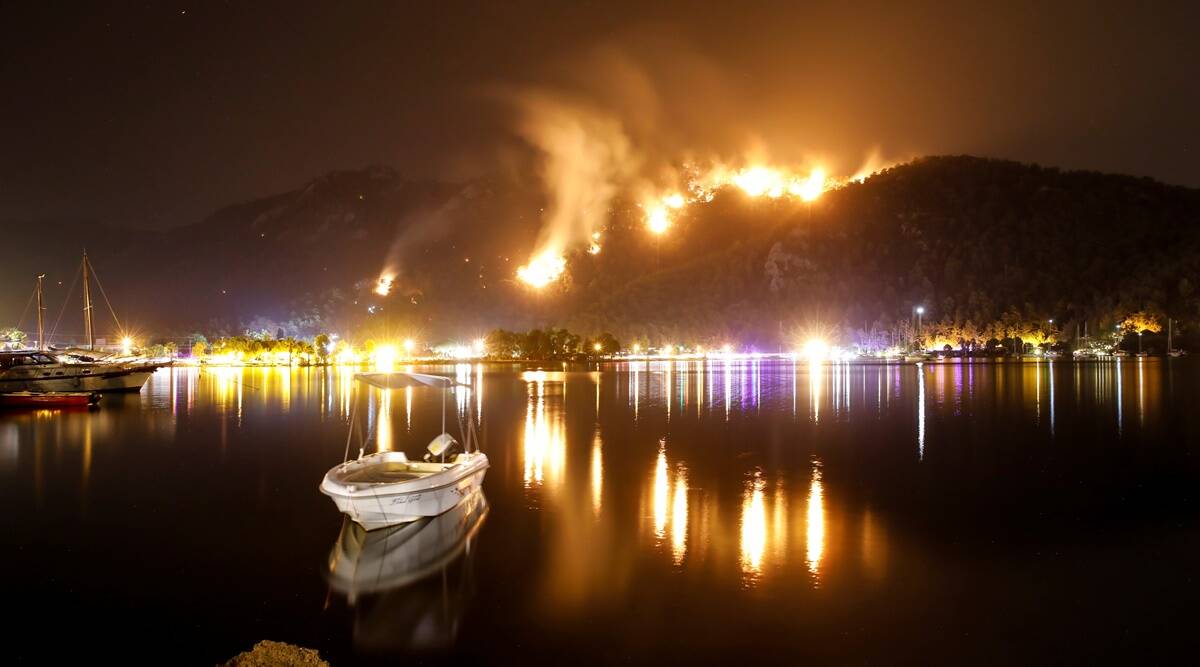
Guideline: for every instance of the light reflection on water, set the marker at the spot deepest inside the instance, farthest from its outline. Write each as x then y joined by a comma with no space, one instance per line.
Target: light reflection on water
606,482
754,527
815,537
544,441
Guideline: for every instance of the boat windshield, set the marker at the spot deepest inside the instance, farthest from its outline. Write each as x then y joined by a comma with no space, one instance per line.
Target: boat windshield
25,360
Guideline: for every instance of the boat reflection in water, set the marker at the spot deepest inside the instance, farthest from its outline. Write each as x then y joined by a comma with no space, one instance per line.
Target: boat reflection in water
410,583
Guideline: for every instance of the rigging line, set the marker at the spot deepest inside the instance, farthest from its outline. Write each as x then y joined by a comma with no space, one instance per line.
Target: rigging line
26,311
106,301
50,336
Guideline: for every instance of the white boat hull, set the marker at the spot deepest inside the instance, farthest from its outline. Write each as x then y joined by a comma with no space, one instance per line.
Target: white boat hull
78,380
378,505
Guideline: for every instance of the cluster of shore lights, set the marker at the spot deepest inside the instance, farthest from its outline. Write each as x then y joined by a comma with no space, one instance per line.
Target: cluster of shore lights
660,210
813,350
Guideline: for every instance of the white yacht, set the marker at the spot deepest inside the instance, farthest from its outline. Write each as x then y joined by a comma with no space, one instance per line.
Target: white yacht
385,488
36,371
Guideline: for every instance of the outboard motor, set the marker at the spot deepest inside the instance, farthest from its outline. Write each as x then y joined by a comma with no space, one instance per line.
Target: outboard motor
441,446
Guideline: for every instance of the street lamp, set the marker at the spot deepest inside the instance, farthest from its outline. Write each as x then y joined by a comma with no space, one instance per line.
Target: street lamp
1139,343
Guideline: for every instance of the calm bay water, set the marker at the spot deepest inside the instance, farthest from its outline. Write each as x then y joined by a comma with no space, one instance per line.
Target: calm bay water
671,510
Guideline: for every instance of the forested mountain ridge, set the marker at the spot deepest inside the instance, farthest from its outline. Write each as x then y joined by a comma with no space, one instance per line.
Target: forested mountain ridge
988,247
976,242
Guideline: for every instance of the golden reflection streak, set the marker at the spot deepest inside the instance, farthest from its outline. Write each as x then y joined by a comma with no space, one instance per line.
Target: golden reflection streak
920,412
346,390
754,527
1141,393
597,473
668,396
814,389
636,393
685,385
478,393
383,423
1037,393
815,540
544,445
679,515
728,386
1120,400
285,389
661,490
1050,377
462,375
408,396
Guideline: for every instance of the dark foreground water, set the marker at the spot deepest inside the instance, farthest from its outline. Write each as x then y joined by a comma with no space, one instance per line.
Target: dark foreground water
741,512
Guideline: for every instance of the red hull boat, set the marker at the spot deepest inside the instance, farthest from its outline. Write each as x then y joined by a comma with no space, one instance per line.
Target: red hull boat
48,399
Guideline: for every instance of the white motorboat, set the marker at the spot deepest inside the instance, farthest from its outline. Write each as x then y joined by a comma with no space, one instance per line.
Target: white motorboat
385,488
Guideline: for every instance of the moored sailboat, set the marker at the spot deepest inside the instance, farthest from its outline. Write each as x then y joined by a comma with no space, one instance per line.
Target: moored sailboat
47,370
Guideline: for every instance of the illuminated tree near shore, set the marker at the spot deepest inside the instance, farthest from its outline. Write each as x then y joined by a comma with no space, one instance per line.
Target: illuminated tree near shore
1141,321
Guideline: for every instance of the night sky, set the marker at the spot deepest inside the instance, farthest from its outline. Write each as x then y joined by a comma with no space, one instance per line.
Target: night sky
155,114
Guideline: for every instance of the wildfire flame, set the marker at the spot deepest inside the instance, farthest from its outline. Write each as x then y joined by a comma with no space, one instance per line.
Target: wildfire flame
384,285
543,269
658,219
755,181
701,185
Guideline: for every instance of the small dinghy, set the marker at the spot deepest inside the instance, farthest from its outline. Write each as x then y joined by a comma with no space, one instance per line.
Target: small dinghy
385,488
49,399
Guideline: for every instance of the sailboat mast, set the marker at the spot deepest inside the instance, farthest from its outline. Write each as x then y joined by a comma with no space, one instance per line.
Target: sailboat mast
41,306
87,307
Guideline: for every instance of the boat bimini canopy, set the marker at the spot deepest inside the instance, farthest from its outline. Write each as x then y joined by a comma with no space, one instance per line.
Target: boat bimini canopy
402,380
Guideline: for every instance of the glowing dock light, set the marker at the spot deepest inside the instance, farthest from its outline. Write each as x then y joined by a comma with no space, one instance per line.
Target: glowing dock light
385,357
637,348
668,350
480,346
815,349
597,347
126,345
408,346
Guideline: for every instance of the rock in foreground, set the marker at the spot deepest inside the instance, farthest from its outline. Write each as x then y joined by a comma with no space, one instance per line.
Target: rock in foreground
276,654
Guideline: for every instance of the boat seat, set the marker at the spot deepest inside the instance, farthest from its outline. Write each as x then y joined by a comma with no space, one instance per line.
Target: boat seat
385,472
